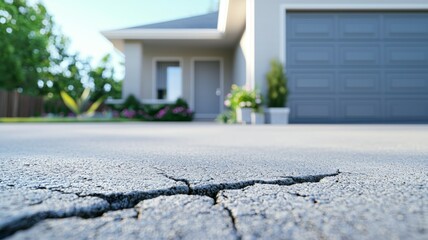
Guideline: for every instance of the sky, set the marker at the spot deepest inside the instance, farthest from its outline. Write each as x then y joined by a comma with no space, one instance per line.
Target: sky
83,20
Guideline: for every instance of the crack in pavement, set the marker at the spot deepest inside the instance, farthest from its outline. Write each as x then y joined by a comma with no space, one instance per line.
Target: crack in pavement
55,189
27,222
191,192
120,201
213,190
185,181
296,194
231,216
233,219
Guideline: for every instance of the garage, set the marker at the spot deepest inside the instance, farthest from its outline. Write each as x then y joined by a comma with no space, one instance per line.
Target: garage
357,66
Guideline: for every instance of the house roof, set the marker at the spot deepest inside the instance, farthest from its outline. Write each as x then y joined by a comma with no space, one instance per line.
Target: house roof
206,21
222,29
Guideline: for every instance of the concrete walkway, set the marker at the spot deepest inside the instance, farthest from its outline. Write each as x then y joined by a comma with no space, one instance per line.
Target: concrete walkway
208,181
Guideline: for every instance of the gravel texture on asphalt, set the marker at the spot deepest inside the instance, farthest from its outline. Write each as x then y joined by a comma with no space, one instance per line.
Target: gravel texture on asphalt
192,181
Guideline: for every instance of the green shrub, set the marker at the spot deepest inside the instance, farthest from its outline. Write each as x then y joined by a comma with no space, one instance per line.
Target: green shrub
181,103
277,85
178,111
131,102
56,107
227,117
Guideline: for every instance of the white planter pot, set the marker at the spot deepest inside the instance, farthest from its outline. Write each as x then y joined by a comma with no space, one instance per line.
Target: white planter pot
277,115
257,118
243,115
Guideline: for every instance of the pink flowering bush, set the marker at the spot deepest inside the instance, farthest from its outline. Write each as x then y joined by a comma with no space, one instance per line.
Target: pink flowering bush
179,111
128,113
176,112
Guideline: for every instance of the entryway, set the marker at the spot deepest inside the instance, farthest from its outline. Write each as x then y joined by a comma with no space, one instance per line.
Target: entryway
207,80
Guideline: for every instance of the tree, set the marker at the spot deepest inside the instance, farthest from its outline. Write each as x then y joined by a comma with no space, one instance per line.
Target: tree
65,74
35,57
103,77
71,74
66,70
25,33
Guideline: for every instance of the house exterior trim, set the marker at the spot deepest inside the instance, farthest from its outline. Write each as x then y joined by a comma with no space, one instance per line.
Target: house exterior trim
137,34
222,15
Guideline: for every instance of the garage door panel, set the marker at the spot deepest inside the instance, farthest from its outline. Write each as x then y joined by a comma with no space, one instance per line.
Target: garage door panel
359,82
371,67
406,26
310,55
406,56
360,55
315,109
311,26
312,82
360,109
359,26
407,83
407,109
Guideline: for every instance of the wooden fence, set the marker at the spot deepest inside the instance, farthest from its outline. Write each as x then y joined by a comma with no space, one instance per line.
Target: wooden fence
14,104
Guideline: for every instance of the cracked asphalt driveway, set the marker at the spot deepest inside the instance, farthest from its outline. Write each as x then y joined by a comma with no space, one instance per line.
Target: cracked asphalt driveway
207,181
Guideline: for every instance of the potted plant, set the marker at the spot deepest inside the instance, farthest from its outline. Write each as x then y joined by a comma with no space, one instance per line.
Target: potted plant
243,113
257,118
243,102
277,112
257,115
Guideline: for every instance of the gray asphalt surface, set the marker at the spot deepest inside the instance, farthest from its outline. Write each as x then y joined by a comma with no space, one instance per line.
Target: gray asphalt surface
208,181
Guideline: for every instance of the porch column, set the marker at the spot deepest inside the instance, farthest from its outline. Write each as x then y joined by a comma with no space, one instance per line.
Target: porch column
133,70
250,44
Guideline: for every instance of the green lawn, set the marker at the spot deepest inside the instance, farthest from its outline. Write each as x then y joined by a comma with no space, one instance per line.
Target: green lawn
61,120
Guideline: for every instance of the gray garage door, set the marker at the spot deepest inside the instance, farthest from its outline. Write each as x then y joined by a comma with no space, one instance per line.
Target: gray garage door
357,67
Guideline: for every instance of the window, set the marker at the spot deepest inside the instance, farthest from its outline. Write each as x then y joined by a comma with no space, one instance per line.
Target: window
168,81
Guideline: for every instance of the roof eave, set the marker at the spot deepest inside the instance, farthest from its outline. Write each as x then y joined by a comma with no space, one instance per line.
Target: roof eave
143,34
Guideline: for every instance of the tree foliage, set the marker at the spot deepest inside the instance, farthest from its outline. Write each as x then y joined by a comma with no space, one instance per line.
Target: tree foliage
25,32
35,57
65,71
103,79
71,74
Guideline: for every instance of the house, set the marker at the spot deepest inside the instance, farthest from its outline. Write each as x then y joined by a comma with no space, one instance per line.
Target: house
346,60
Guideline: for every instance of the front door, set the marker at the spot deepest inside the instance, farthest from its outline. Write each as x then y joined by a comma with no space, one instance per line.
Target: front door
207,89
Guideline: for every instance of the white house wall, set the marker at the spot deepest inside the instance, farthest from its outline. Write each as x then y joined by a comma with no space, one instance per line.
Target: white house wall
269,28
240,61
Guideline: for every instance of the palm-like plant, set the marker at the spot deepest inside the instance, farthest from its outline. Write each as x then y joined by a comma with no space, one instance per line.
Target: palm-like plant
78,106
